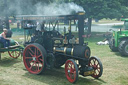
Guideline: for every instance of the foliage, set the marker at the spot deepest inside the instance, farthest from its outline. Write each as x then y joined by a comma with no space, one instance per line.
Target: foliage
99,9
102,8
94,8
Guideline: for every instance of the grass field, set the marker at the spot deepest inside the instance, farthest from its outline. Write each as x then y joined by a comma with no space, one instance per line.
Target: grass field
115,69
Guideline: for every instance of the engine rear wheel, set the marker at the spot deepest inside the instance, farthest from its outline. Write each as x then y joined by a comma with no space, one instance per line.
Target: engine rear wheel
34,57
123,47
97,66
71,70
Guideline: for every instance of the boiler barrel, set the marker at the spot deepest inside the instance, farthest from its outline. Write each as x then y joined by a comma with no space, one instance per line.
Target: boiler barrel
65,50
79,51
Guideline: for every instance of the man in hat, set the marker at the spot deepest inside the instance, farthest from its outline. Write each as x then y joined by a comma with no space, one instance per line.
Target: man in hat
3,38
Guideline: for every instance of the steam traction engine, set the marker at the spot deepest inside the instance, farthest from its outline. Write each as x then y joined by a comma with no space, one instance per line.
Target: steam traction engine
51,49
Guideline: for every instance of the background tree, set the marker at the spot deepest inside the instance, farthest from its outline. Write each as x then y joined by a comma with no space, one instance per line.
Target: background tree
124,9
99,9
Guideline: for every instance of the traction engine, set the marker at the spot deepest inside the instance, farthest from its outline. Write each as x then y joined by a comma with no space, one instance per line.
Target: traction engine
52,49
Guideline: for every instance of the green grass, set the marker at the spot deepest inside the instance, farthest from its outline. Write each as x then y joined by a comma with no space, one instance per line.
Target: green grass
115,69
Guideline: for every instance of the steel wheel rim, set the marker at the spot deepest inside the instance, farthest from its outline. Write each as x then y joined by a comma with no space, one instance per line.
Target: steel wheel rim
96,66
70,71
33,59
14,54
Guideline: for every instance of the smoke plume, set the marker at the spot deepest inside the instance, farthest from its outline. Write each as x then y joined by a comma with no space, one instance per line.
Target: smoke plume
57,9
26,7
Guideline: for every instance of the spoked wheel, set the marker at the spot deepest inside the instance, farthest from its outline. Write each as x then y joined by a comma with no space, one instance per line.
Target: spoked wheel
71,70
34,58
14,54
97,66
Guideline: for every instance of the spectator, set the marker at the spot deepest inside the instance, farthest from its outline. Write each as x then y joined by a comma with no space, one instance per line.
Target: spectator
3,39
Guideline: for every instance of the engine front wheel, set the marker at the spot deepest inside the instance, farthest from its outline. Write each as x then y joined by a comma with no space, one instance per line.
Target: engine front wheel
97,66
71,70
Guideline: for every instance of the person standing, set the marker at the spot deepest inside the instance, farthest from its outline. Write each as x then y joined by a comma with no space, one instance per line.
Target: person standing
3,39
40,28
